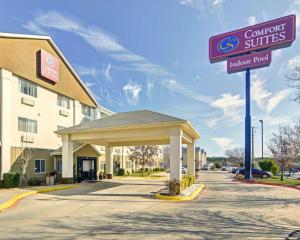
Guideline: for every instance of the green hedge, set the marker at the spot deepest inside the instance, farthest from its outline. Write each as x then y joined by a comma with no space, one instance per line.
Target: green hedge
187,181
11,180
269,165
121,172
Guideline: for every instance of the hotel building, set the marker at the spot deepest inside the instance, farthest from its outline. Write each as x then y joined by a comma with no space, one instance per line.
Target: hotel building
41,93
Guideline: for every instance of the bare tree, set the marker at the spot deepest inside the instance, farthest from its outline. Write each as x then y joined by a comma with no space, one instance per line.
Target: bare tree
294,82
235,155
280,150
23,160
292,136
166,156
143,155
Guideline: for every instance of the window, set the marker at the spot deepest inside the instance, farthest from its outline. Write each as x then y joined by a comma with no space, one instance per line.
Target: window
27,88
27,125
40,166
63,101
59,166
86,110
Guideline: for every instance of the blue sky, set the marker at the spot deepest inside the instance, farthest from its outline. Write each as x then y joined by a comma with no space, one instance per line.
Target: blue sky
141,54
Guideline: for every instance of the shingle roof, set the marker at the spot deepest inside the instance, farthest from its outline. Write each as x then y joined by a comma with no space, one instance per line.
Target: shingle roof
124,119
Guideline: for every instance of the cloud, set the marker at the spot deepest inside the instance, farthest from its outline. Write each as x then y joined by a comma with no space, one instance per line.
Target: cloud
107,72
175,86
223,142
258,93
132,92
294,8
150,86
95,37
88,71
251,20
90,84
294,62
275,100
231,105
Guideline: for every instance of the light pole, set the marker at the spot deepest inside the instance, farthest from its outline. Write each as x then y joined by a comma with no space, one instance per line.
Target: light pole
262,138
252,142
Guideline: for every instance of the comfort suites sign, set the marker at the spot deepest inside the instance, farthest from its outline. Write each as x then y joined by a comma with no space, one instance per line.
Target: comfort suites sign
273,34
48,66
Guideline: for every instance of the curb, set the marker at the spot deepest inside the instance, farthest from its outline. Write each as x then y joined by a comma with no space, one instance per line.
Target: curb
267,184
9,203
179,198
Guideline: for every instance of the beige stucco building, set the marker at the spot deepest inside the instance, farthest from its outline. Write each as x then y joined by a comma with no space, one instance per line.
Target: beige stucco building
34,105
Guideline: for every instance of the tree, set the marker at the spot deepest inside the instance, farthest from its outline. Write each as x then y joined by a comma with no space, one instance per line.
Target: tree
280,150
235,155
294,82
23,160
143,155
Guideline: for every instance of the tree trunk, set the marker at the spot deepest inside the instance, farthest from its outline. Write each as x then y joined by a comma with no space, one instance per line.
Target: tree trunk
281,177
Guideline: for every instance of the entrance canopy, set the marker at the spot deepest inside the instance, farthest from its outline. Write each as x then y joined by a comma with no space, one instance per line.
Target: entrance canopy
132,128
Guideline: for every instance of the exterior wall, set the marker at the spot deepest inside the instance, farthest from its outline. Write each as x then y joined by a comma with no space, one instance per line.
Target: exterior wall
37,154
19,55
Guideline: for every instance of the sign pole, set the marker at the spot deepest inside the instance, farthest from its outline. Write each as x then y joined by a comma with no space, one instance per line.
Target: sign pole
248,174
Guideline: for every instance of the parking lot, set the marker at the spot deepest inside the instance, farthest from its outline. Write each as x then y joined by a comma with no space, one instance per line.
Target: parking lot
126,209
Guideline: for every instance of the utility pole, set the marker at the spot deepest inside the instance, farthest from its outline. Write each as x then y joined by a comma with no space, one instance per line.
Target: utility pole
262,138
252,138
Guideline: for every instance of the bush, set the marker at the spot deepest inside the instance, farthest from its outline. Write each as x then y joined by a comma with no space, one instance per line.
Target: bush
121,172
187,181
240,177
218,165
174,187
275,169
34,182
268,165
11,180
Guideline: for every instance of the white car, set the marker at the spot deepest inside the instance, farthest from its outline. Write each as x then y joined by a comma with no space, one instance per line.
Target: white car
184,170
295,175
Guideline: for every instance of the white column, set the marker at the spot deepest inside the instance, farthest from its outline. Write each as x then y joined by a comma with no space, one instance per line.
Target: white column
67,159
109,161
175,154
191,159
5,114
123,159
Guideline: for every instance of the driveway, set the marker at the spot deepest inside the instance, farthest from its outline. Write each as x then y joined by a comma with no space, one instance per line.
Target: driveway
126,209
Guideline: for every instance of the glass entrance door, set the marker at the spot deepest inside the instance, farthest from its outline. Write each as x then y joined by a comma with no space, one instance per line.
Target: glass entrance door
86,168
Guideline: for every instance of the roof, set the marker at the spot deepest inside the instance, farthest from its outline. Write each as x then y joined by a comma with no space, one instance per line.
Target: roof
49,39
125,119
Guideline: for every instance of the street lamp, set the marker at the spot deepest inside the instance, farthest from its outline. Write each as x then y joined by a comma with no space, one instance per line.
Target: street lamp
252,138
262,138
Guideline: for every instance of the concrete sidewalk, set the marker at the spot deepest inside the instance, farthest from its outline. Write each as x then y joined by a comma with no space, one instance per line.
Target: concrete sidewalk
7,194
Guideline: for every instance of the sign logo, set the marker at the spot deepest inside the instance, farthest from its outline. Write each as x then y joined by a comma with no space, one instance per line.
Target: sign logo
228,44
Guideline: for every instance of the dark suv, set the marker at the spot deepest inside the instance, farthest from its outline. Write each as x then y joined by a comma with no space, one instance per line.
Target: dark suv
256,173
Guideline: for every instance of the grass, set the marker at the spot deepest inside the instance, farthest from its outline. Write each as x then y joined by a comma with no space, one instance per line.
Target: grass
276,180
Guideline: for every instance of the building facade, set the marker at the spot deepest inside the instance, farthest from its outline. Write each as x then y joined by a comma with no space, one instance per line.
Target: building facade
41,93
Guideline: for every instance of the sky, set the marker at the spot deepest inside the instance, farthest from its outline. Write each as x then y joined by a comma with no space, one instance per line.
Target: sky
141,54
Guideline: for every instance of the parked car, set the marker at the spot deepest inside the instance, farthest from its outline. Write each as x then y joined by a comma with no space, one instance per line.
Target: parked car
234,170
296,175
184,170
256,173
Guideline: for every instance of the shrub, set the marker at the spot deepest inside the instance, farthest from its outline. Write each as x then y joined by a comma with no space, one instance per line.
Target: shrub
240,177
11,180
268,164
275,169
218,165
187,181
121,172
174,187
34,182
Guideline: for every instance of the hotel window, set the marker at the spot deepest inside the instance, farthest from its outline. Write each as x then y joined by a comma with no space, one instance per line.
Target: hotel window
27,125
40,166
27,88
63,101
86,110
